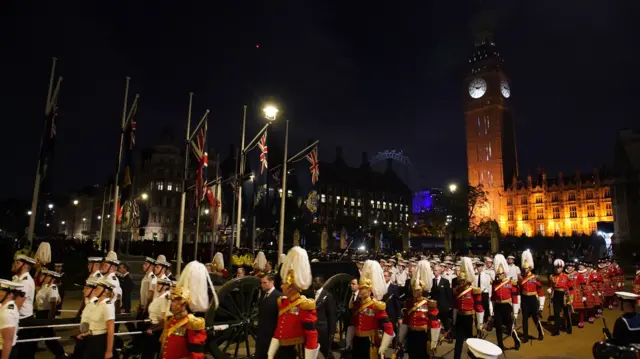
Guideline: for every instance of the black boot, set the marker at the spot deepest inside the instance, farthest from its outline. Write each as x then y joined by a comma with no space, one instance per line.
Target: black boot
516,340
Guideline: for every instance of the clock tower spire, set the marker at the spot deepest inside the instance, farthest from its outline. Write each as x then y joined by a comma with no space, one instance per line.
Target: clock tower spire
490,132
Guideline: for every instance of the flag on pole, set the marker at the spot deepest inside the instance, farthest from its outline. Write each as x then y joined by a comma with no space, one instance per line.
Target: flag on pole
314,167
198,146
214,196
125,214
263,152
48,142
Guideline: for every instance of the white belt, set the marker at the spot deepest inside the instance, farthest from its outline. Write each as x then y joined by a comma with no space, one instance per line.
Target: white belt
98,332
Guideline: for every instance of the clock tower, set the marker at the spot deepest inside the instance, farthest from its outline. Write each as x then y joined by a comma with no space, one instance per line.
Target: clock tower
491,145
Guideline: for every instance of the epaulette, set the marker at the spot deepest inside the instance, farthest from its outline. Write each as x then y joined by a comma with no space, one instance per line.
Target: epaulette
514,282
195,323
280,299
24,278
53,286
108,302
491,282
432,303
152,275
307,304
98,275
379,305
476,290
11,306
114,278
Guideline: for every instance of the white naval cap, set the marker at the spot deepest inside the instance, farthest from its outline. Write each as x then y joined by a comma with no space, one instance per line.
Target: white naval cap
482,349
26,259
9,285
104,282
94,259
627,295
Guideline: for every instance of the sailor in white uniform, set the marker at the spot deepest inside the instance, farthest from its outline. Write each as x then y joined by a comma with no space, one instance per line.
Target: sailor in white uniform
47,299
93,265
101,324
159,271
9,317
21,267
158,310
109,266
90,292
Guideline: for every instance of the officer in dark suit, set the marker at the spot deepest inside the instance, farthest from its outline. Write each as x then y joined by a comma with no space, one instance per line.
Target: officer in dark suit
126,283
327,317
392,300
267,315
442,293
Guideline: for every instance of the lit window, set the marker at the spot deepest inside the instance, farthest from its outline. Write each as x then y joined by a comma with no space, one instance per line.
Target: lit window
541,229
510,216
478,129
591,210
169,186
323,198
589,194
540,213
538,199
573,212
159,186
525,214
609,210
556,212
359,203
177,187
572,196
606,193
359,214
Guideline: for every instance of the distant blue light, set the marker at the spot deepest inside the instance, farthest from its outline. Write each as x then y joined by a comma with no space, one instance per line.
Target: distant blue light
422,201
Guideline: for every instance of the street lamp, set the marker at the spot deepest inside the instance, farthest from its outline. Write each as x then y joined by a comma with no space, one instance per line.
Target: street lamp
270,112
453,187
99,217
84,219
50,206
47,224
206,211
75,202
375,221
62,223
29,213
144,196
252,177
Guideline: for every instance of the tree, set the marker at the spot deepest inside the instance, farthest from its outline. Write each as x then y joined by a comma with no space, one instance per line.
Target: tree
477,198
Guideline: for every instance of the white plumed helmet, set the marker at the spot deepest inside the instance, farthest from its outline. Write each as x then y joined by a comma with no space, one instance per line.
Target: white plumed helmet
527,260
423,278
466,269
261,261
43,254
218,260
500,263
296,269
558,263
195,278
372,277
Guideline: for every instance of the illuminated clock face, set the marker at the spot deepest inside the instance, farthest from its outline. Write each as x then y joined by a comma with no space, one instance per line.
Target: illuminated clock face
505,89
477,87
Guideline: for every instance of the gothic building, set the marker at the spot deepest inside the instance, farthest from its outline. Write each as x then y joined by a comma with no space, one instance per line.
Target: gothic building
542,206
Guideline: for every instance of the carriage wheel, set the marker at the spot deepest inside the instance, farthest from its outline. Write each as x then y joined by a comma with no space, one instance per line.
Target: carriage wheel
338,286
239,301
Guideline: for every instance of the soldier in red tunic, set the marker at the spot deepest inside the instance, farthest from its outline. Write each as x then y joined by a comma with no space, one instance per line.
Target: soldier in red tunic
636,281
468,305
595,281
504,294
532,297
582,297
560,290
609,285
296,335
369,316
420,315
184,334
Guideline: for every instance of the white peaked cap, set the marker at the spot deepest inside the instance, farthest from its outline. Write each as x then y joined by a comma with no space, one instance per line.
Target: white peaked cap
282,258
483,349
558,263
423,276
527,257
111,256
195,278
371,270
261,261
218,260
297,261
43,254
467,267
500,261
161,258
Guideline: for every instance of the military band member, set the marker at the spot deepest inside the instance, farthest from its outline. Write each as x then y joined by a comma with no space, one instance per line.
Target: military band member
157,310
99,338
560,290
47,299
296,328
259,265
532,297
43,258
217,266
420,316
184,334
468,304
9,318
504,297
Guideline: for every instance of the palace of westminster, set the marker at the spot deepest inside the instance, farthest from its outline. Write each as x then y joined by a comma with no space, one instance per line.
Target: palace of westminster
535,205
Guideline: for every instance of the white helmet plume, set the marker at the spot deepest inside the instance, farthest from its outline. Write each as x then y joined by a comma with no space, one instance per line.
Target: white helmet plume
423,276
218,260
500,264
195,278
296,269
558,263
372,271
466,269
43,254
261,261
527,260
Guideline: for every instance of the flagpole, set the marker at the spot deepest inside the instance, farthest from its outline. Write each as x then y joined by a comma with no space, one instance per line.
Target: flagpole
233,214
215,206
183,196
36,185
195,245
284,191
112,237
239,216
104,199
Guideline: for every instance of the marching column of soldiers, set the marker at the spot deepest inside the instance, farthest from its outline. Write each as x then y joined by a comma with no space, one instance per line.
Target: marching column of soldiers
442,300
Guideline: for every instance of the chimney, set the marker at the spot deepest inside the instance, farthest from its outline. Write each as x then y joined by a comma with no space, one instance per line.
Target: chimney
544,179
339,158
596,176
529,181
560,179
365,160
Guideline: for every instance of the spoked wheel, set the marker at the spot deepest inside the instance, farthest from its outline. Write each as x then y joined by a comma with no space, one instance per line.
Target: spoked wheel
338,286
239,301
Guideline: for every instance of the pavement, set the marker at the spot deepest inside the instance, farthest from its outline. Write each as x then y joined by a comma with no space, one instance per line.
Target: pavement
577,345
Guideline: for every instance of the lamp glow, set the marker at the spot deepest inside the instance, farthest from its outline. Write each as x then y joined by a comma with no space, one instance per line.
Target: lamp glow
453,187
270,112
144,196
75,202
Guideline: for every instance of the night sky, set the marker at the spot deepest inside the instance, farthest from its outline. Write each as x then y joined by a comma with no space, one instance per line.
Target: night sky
367,76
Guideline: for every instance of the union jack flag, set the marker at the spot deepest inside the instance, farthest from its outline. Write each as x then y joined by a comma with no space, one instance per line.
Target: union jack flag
198,145
312,157
263,152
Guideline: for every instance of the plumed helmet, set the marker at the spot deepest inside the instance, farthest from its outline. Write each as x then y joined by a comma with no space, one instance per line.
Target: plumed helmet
261,261
423,278
466,269
196,281
296,269
281,258
527,260
372,278
558,263
218,261
500,264
43,254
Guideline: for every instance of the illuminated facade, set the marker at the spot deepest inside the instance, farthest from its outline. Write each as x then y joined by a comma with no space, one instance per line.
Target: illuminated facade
538,207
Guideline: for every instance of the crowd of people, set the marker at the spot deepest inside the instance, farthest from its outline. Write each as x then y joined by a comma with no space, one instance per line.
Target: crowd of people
401,303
